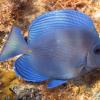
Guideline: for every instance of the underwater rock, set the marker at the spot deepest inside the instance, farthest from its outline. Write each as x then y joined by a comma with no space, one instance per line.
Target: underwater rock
25,93
7,98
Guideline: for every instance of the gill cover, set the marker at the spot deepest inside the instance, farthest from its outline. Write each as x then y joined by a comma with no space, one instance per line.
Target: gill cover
93,58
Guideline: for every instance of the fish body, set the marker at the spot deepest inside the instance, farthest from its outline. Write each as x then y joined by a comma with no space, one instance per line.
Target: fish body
61,45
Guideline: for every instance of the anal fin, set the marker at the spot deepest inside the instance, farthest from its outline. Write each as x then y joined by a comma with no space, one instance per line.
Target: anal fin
24,69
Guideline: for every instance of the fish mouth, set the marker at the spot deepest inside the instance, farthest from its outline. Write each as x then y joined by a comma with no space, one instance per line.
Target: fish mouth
84,70
89,68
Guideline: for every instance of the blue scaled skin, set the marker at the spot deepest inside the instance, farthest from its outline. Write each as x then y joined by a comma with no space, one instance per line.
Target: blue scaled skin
61,45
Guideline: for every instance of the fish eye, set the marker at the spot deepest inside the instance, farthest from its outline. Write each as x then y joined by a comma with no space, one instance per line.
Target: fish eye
25,38
97,51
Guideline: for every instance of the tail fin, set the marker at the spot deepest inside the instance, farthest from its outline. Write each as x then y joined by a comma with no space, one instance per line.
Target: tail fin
14,45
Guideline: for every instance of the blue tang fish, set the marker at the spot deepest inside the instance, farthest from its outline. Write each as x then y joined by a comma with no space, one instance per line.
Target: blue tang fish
61,45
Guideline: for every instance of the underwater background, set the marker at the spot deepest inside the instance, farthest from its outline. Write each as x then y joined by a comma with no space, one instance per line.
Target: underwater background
21,13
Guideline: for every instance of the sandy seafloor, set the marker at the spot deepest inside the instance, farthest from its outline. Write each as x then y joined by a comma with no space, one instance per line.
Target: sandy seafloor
21,13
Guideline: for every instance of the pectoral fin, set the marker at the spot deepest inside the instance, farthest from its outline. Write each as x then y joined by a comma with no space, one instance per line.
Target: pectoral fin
56,83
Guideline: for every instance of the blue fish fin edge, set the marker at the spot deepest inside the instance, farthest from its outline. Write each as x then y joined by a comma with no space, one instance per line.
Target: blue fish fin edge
56,83
15,45
25,70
